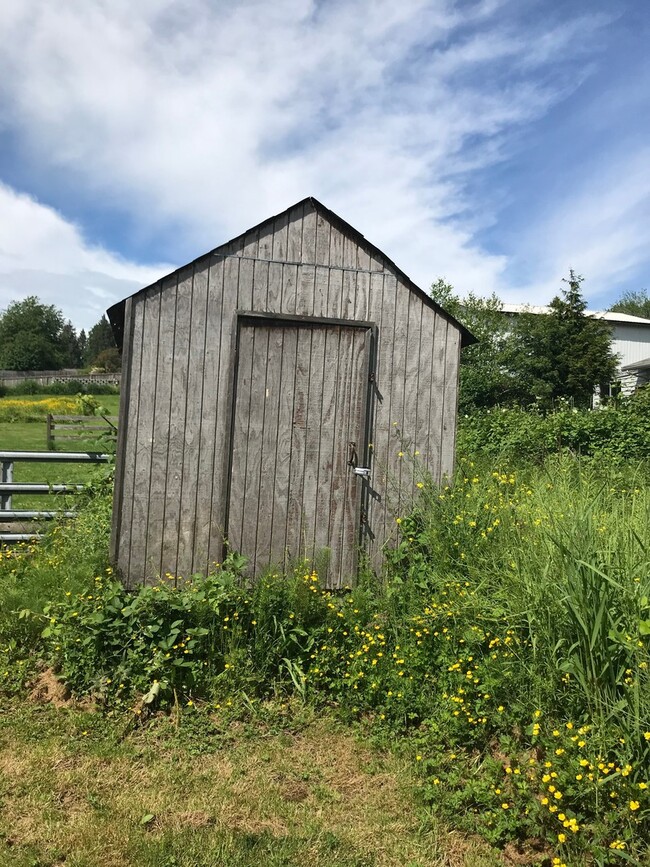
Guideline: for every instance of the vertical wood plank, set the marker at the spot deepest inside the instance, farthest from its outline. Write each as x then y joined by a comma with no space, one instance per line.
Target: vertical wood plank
270,495
125,392
242,411
361,298
260,286
339,456
354,390
211,395
251,243
193,423
450,407
336,247
322,240
321,288
312,438
162,411
306,289
294,235
243,289
176,447
284,450
256,423
422,435
413,442
229,302
289,288
131,442
274,292
381,313
308,252
335,294
138,564
437,396
401,443
363,258
384,433
327,486
294,543
280,237
265,242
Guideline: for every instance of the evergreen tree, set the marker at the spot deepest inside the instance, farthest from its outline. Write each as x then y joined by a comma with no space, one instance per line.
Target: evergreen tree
83,340
70,346
564,354
100,337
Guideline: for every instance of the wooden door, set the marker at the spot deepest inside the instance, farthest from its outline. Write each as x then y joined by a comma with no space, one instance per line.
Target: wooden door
299,402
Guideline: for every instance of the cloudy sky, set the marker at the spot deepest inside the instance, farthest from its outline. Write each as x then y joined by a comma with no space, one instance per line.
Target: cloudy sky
497,143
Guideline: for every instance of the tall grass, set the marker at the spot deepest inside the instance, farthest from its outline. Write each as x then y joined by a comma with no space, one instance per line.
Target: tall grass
562,553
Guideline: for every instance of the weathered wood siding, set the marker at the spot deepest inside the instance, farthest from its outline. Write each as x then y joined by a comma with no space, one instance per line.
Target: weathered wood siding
175,429
300,399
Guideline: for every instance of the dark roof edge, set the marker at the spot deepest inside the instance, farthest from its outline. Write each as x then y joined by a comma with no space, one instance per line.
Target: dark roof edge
116,312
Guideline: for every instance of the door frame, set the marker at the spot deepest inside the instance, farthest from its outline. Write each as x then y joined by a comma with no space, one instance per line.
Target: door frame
251,317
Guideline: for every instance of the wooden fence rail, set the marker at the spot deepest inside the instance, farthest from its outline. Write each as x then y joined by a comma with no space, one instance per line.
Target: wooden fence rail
8,488
79,428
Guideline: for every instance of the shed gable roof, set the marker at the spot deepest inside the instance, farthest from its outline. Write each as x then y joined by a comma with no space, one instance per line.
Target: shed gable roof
116,312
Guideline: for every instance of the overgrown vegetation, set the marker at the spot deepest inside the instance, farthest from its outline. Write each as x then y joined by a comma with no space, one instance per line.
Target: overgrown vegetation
528,358
505,650
619,431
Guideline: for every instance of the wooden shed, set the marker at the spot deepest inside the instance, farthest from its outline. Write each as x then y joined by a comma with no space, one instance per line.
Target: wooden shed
271,392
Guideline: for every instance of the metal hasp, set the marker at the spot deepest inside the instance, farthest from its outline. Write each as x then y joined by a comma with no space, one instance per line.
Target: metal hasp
364,472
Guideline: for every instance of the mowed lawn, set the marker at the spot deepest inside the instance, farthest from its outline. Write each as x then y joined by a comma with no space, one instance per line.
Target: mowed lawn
31,436
185,791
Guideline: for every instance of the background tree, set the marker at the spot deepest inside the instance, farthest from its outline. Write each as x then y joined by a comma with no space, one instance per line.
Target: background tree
100,337
70,346
634,303
31,336
83,340
109,360
530,358
564,354
485,377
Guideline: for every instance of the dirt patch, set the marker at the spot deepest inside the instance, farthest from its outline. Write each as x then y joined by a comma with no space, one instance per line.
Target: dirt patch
48,689
528,852
194,819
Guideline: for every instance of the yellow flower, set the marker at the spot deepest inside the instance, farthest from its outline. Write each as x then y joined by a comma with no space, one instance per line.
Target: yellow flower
561,838
634,805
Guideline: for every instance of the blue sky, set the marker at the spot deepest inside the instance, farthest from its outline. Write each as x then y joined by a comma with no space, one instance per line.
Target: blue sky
497,143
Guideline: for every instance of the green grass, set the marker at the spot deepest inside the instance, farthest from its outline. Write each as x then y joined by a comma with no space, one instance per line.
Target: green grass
31,436
288,787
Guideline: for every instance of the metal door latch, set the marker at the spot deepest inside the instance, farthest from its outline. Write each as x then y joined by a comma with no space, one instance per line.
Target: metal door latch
364,472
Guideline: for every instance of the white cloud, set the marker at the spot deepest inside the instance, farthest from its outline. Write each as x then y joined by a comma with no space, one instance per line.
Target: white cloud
43,254
211,116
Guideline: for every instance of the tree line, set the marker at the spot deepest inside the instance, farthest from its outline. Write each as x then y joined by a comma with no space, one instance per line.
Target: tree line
36,336
528,358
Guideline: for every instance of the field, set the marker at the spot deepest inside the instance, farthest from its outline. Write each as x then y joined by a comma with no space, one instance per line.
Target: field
22,435
485,701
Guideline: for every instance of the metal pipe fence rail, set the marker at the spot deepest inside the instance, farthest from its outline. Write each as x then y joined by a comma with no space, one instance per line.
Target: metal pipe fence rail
8,488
